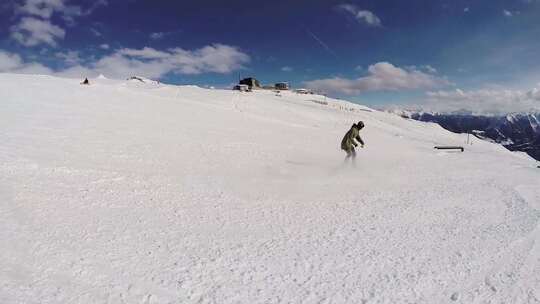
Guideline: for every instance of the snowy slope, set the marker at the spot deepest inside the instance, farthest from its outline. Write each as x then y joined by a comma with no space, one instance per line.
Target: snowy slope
125,193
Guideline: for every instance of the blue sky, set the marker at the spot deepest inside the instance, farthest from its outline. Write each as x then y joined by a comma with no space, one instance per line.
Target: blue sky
376,52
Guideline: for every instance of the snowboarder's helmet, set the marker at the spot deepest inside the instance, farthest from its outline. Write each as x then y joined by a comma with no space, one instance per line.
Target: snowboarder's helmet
360,124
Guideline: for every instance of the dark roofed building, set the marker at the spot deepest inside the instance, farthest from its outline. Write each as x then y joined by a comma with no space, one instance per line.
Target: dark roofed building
282,86
251,82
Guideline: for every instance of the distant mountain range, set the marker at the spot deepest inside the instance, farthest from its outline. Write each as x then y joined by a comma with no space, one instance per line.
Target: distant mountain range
516,131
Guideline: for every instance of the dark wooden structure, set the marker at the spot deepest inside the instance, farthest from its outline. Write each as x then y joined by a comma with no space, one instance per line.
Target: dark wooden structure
450,148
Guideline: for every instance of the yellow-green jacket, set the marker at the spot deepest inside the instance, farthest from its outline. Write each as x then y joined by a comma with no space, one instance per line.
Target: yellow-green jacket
348,143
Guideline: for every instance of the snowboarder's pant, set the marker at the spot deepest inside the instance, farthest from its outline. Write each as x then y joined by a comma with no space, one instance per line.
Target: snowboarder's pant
350,152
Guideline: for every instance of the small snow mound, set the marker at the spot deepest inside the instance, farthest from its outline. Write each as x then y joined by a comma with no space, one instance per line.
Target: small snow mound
142,79
142,82
101,76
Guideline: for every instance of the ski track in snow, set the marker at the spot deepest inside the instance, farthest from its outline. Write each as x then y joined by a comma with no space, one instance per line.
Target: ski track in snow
121,192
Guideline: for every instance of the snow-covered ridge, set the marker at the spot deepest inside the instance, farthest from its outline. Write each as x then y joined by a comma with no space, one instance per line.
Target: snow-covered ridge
515,131
116,193
408,112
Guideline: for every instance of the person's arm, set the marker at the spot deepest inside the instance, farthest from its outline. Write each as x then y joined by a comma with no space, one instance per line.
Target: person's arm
359,139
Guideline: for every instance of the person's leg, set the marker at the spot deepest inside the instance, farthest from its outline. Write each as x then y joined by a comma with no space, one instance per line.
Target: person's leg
353,156
349,154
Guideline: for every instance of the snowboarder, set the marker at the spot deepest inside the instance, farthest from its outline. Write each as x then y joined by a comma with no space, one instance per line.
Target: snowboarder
86,81
348,142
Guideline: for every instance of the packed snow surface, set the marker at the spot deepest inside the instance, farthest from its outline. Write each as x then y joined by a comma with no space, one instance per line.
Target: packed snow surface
122,192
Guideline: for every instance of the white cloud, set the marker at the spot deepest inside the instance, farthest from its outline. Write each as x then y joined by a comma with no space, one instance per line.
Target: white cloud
96,32
507,13
362,16
286,69
119,66
69,57
46,8
216,58
429,69
382,76
35,26
483,101
466,10
41,8
31,32
33,68
95,6
13,63
145,53
145,62
104,46
157,35
9,61
161,35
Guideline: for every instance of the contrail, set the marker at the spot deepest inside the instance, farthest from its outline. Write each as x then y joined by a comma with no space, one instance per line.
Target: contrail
324,45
